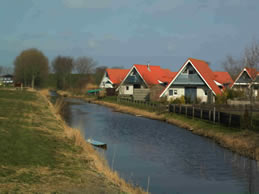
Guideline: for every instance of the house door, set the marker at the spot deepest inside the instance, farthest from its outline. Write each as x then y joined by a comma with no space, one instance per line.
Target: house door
190,94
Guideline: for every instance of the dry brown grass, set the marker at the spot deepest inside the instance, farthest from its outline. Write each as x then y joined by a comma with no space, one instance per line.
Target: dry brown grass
131,110
91,86
99,163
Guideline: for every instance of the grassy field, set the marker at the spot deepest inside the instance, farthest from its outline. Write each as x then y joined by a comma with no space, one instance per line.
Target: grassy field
40,154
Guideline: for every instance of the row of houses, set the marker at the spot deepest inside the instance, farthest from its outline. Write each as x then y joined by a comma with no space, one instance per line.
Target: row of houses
194,80
6,79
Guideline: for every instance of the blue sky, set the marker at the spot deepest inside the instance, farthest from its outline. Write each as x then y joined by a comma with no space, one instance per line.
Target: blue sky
124,32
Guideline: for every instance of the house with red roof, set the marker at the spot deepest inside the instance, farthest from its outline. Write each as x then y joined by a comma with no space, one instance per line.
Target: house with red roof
113,77
248,77
141,78
195,79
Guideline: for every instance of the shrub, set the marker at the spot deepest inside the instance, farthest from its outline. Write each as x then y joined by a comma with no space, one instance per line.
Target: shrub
228,94
163,100
221,98
198,100
180,100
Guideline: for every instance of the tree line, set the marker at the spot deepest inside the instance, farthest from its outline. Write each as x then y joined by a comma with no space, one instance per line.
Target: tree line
32,68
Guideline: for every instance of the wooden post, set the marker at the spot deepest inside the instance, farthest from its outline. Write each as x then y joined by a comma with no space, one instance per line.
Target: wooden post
192,111
201,112
214,114
209,115
229,120
186,110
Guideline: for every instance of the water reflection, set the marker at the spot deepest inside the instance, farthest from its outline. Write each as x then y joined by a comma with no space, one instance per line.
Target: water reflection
175,159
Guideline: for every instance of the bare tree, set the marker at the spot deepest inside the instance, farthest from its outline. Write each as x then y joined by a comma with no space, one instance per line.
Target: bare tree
99,72
7,70
232,66
251,55
31,66
84,65
62,67
251,59
1,70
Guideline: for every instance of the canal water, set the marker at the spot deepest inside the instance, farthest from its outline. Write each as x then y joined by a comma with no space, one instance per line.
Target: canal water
161,157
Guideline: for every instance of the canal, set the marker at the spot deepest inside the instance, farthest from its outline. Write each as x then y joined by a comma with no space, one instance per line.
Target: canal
162,157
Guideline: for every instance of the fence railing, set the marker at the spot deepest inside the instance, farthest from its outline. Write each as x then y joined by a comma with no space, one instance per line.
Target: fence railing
231,116
228,115
156,107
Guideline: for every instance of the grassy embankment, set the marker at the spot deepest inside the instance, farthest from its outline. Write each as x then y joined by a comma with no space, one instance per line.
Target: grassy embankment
40,153
242,141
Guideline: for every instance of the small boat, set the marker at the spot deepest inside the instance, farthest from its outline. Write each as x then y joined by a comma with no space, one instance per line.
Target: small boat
97,143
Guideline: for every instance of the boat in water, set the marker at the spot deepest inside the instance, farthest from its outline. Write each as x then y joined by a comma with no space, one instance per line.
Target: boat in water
97,143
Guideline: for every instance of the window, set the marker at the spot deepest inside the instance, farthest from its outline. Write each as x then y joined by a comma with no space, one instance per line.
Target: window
127,87
206,92
185,71
170,92
136,86
175,92
191,71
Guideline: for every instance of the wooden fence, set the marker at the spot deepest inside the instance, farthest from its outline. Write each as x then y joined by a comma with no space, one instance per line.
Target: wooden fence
157,107
231,116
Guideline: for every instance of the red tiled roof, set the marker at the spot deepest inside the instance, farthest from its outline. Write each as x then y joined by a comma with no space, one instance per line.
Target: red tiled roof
207,74
153,74
117,75
252,72
223,77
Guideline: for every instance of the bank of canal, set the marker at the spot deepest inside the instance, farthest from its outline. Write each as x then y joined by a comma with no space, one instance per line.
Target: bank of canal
171,158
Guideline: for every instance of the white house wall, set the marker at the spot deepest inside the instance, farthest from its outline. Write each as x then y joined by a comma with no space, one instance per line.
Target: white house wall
105,83
201,94
181,92
126,90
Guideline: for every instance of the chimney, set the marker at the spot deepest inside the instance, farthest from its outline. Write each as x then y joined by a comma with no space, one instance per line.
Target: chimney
148,67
